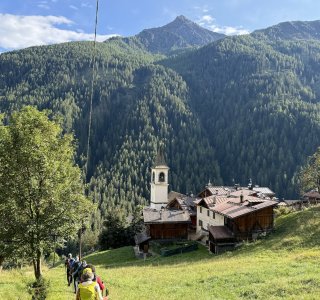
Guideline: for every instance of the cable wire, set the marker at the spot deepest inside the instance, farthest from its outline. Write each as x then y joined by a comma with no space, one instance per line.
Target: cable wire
92,88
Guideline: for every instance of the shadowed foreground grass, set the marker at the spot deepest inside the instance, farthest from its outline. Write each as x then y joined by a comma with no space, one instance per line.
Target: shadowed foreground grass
286,265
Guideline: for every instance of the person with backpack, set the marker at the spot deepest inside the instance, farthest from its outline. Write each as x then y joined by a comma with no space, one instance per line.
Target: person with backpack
98,279
77,273
88,289
67,264
74,273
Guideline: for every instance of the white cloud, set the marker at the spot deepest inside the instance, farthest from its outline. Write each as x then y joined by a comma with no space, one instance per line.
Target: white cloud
208,22
44,6
24,31
86,4
206,19
73,7
228,30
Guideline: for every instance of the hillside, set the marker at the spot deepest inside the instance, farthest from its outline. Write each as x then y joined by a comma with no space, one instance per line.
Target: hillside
296,30
258,101
180,34
285,265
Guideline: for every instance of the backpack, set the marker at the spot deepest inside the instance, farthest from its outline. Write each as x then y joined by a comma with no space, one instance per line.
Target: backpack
70,263
75,266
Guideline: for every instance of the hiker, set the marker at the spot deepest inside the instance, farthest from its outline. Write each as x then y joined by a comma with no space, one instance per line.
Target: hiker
76,264
97,278
67,264
88,289
77,272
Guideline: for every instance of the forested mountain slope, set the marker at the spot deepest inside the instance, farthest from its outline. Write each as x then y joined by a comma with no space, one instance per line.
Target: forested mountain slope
259,103
296,30
238,108
136,106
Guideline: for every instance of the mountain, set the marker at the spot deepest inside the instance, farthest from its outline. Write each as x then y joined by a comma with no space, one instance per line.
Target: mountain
238,108
296,30
177,35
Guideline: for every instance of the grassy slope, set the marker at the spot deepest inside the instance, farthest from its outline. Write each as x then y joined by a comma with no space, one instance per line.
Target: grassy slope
286,265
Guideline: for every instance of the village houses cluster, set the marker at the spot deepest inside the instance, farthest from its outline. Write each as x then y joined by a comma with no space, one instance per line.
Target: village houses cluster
219,216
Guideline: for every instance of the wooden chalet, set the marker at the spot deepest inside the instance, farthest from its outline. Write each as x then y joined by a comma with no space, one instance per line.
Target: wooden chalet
221,239
185,203
142,241
206,215
312,197
246,220
166,223
297,204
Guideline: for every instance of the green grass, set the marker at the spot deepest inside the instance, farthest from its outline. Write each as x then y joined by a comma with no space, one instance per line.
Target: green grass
285,265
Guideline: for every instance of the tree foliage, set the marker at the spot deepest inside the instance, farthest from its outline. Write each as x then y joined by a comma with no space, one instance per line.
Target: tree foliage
309,176
41,191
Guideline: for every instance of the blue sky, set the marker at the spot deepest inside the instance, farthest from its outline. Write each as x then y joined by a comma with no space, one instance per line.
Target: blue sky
24,23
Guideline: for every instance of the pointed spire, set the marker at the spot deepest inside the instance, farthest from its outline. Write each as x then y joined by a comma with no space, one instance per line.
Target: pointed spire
209,184
160,161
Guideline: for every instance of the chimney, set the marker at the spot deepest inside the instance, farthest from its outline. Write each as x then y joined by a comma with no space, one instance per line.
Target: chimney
241,198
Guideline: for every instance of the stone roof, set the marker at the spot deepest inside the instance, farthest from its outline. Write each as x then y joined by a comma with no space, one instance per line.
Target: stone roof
234,210
244,192
220,232
141,237
154,216
312,194
186,203
216,190
264,190
292,202
172,195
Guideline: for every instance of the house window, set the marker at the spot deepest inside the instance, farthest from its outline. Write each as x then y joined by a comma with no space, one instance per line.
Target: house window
208,213
153,177
200,223
213,215
200,210
162,177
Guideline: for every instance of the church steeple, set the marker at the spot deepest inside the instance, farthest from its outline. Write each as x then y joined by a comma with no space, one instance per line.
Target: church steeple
160,160
159,182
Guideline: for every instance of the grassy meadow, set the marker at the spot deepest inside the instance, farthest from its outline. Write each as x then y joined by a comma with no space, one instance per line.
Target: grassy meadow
285,265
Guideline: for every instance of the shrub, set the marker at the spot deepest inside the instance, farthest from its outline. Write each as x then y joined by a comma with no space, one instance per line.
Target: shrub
282,210
39,289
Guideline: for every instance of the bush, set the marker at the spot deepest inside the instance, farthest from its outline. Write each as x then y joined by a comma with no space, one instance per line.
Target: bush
39,289
282,210
53,256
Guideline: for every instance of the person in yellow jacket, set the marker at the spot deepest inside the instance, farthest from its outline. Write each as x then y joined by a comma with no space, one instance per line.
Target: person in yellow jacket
88,289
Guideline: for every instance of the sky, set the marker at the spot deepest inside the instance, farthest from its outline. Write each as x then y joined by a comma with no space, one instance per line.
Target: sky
25,23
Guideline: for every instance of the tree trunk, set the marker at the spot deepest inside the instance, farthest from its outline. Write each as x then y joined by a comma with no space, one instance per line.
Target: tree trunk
1,261
37,265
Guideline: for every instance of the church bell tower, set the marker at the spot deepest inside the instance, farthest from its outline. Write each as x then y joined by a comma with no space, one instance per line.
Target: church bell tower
159,182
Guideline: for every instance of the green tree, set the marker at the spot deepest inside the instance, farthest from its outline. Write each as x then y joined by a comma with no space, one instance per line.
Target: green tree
115,230
41,191
309,176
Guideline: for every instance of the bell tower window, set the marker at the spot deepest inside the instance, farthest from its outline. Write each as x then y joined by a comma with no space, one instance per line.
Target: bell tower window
153,177
162,177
